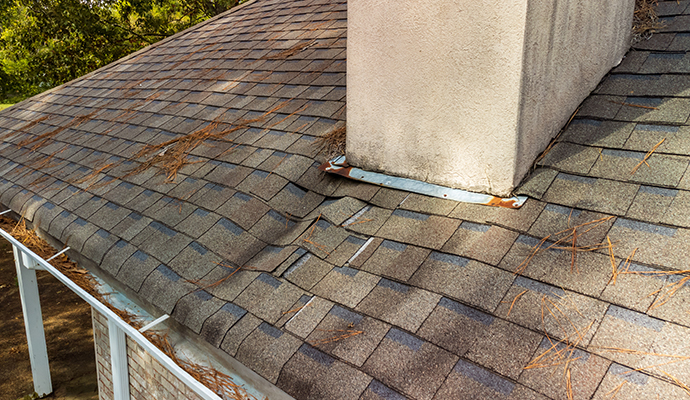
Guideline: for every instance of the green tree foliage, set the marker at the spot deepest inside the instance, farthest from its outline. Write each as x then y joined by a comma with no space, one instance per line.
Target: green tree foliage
44,43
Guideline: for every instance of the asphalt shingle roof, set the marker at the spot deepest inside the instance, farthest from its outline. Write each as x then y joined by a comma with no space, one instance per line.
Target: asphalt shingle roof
298,256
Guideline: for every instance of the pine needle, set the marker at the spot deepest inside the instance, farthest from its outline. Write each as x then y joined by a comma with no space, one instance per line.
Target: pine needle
514,300
294,310
639,352
574,250
333,143
359,221
633,105
677,382
291,51
561,237
644,160
343,334
645,19
174,154
614,273
672,289
615,391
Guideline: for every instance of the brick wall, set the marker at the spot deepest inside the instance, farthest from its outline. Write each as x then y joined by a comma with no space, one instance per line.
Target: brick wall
102,344
148,379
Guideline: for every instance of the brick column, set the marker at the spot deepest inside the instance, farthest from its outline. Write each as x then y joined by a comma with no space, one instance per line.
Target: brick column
148,379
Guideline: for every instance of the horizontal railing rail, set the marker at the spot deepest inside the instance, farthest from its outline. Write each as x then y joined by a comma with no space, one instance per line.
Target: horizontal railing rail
27,262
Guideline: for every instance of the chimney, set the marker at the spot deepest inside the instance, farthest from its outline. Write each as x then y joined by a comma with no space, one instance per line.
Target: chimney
466,94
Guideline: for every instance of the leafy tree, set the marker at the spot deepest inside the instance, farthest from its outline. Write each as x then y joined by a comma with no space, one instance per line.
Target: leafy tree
44,43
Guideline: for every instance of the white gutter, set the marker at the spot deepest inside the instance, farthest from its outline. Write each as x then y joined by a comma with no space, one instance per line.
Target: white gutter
27,262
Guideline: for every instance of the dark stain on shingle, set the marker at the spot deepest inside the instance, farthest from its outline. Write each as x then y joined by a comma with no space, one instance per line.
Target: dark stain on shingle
346,271
168,273
316,355
395,246
398,287
270,330
486,378
644,227
140,255
269,280
462,309
410,215
405,339
449,258
230,226
575,178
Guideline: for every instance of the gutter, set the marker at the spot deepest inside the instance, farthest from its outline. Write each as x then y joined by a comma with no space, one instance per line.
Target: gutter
27,263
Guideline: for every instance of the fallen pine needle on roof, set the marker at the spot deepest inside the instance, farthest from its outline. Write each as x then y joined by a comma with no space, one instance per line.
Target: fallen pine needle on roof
614,273
564,236
174,154
564,331
672,289
294,310
319,246
574,249
93,174
311,231
552,357
653,366
645,19
332,144
570,322
667,291
514,300
644,160
342,335
25,128
633,105
628,261
291,51
677,382
359,221
615,391
639,352
198,282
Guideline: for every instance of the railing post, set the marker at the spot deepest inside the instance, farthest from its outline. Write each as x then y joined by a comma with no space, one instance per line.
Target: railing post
33,322
118,359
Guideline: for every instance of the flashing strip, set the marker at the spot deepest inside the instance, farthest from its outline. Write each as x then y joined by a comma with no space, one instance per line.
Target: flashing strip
340,167
5,212
58,254
24,253
154,323
355,217
301,309
361,249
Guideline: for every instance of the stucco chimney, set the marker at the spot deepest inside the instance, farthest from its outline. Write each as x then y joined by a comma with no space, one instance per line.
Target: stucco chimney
466,93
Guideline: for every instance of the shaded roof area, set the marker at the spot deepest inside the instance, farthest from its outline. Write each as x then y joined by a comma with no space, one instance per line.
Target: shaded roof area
336,289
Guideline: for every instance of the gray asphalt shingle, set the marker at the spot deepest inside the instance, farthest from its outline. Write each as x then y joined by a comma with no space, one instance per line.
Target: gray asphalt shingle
426,281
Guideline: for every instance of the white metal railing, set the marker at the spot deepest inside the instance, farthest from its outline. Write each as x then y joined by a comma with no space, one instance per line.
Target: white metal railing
27,262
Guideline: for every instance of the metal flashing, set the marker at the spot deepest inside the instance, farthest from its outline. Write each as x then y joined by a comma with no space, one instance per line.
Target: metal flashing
340,167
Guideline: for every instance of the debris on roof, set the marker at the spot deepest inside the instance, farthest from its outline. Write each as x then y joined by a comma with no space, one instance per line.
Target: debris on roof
188,173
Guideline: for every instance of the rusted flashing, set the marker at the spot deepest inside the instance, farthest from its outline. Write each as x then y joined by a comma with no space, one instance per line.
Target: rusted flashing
339,166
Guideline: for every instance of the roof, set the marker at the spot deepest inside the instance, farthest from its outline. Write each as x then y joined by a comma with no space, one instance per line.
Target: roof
331,288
